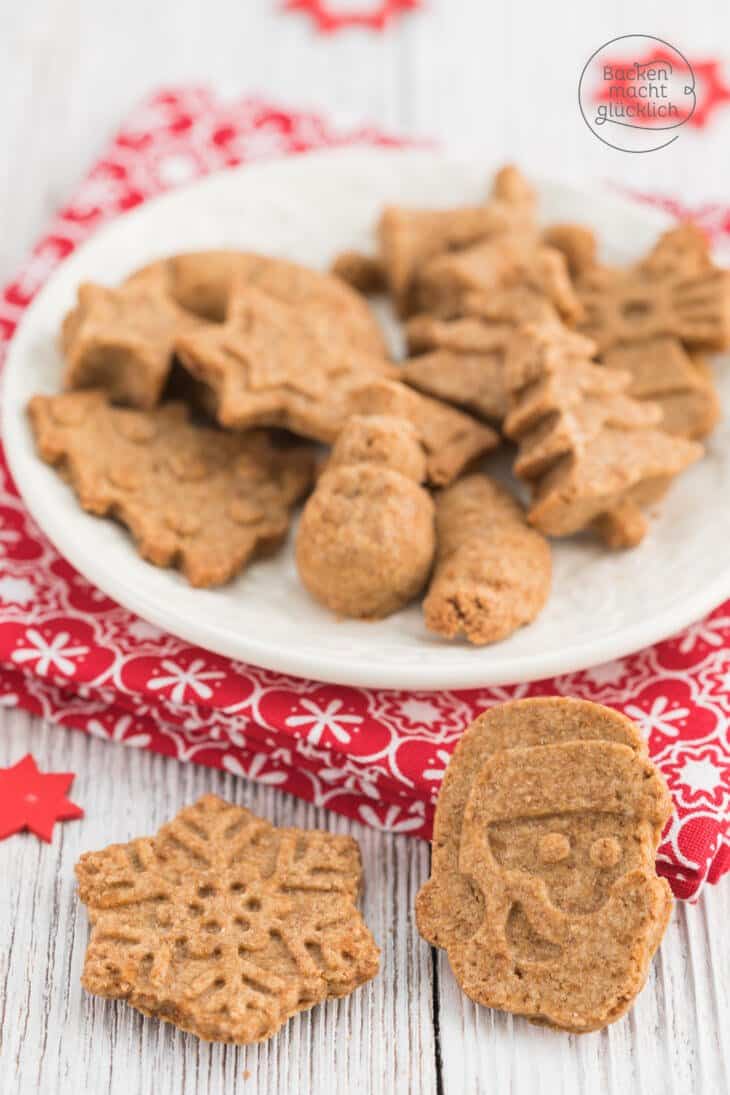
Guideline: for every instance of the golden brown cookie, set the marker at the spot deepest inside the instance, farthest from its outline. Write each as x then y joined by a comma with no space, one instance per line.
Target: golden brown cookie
577,243
410,237
463,363
271,364
680,382
365,542
363,272
543,889
122,340
202,283
511,186
586,448
492,573
451,439
223,924
456,285
676,290
192,497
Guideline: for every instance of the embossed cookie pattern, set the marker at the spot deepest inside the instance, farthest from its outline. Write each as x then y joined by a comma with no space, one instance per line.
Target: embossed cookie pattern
543,890
223,924
192,497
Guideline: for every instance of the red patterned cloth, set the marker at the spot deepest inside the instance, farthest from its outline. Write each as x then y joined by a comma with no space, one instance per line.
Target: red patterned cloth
70,654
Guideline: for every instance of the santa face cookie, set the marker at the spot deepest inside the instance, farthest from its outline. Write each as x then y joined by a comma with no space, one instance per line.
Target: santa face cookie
543,888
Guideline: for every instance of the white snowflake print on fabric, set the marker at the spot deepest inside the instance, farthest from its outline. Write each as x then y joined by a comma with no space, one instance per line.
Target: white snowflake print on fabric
259,144
177,168
323,719
7,536
700,775
342,778
394,819
706,631
255,770
100,191
38,269
180,680
119,732
660,717
420,711
441,759
143,631
608,673
18,591
54,655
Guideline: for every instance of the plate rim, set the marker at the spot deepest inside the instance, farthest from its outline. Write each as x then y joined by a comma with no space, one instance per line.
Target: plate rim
267,655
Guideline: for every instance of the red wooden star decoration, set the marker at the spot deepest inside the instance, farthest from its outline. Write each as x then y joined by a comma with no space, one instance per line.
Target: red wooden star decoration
329,18
711,91
34,800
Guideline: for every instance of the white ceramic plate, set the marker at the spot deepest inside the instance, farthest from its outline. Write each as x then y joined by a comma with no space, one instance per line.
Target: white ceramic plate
603,605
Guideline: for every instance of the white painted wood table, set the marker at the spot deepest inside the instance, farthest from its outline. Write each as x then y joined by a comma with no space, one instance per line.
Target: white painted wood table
477,77
410,1030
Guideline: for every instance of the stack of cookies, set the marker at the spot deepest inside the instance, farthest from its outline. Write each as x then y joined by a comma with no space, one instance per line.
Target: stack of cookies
543,890
199,393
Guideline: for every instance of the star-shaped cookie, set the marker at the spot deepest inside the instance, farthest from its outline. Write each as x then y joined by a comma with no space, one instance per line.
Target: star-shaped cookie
122,340
202,282
270,364
223,924
409,238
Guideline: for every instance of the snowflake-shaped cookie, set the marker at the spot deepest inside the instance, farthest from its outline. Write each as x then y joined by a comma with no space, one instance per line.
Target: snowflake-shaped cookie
223,924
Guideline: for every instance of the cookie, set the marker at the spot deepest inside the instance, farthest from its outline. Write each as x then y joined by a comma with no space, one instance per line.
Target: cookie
224,925
586,448
408,238
271,364
676,290
192,497
510,185
515,306
680,382
492,573
467,282
576,242
122,340
451,439
543,890
463,363
365,543
363,272
201,282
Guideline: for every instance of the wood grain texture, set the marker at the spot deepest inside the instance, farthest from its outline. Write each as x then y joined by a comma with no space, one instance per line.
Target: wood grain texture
384,1038
489,78
56,1039
500,79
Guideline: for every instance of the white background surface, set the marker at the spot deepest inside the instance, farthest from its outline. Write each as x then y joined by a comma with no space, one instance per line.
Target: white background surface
496,78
